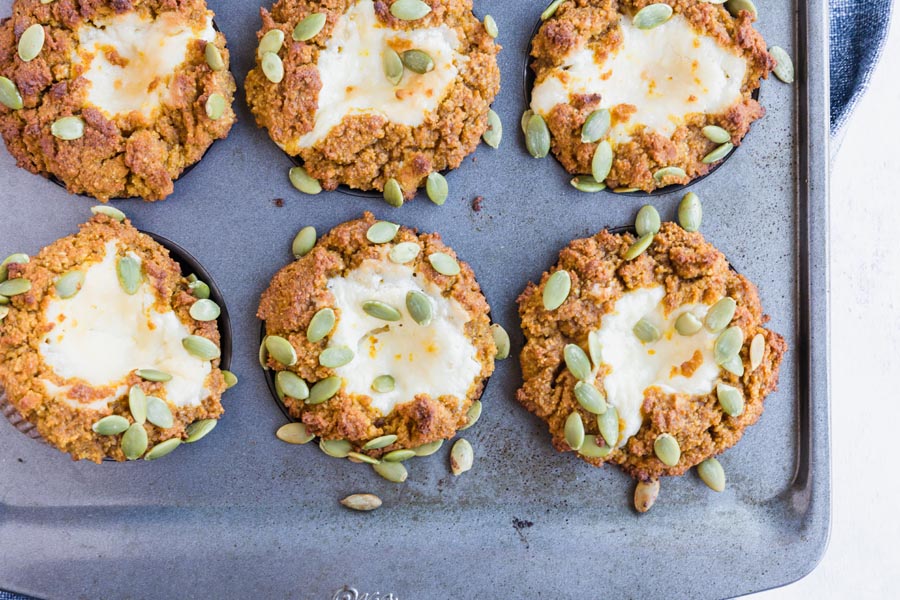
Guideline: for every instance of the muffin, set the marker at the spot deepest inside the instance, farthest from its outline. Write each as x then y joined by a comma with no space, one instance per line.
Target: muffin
363,96
106,350
642,95
113,99
380,339
648,353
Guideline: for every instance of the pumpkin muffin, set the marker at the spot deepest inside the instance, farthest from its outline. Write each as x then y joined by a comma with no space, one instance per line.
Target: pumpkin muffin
637,94
113,99
105,348
368,91
380,339
648,353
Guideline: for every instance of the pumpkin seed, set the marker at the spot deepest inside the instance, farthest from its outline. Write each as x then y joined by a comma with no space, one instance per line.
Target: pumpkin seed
31,42
109,211
417,61
730,399
213,57
198,430
595,126
712,474
18,258
669,173
272,67
784,66
646,331
304,240
294,433
551,10
577,362
69,284
159,413
645,495
501,341
647,220
398,455
201,347
461,457
718,154
419,307
393,66
590,398
574,431
728,344
638,247
393,193
687,324
335,448
382,232
379,442
264,354
720,314
490,26
608,423
472,415
592,449
230,378
363,458
380,310
205,310
690,212
309,27
336,356
215,106
137,404
716,134
437,189
587,183
134,441
305,183
288,383
68,128
557,289
4,310
736,6
383,384
494,132
667,449
14,287
199,289
163,448
128,271
444,264
272,42
734,365
362,502
404,252
757,349
111,425
281,350
409,10
320,325
392,471
537,136
602,161
623,190
429,448
523,123
595,349
652,16
153,375
9,94
324,389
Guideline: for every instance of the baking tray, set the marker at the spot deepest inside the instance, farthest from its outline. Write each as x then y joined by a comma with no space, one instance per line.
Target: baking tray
243,515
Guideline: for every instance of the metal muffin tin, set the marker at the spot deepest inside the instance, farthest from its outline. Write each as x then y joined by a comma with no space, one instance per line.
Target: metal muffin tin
245,515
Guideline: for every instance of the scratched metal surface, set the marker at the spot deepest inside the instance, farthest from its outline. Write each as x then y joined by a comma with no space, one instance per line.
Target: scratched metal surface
243,515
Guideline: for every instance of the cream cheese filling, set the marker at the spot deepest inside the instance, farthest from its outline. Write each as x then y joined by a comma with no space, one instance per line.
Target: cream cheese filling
437,359
666,73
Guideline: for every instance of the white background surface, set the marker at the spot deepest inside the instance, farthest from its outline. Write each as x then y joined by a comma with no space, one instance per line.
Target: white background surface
863,557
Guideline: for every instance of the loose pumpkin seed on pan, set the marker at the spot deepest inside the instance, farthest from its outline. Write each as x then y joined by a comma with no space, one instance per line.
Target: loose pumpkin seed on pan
336,356
537,136
159,413
551,9
272,42
68,128
134,441
404,252
383,384
111,425
324,389
419,307
393,193
728,344
398,455
31,42
577,362
201,347
592,449
557,289
109,211
645,495
409,10
652,16
381,441
429,448
382,232
417,61
68,284
304,182
128,271
687,324
501,341
154,375
587,183
294,433
205,310
309,27
716,134
736,6
281,350
666,172
437,189
494,132
215,106
137,404
712,474
197,430
363,458
608,423
461,457
720,314
718,154
304,240
362,502
490,26
730,399
9,94
272,67
646,331
757,350
320,325
230,378
667,449
392,65
394,472
601,163
596,126
690,212
472,415
444,264
335,448
14,287
639,246
213,57
162,449
647,220
574,431
590,398
784,66
380,310
292,385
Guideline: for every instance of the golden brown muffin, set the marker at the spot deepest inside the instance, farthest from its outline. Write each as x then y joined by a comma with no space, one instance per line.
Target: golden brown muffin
99,340
119,97
328,100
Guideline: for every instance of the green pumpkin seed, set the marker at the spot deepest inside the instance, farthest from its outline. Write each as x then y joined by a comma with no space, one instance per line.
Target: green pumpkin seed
111,425
383,384
647,220
31,42
437,189
652,16
320,325
501,341
304,182
264,354
590,398
205,310
213,57
336,356
645,495
335,448
304,240
622,190
712,474
14,287
409,10
69,284
381,441
494,132
9,94
557,289
730,399
734,365
716,134
309,27
669,173
288,383
393,193
587,183
577,362
272,67
271,42
551,9
595,349
784,66
163,448
404,252
608,423
718,154
720,314
363,458
137,404
667,449
690,212
757,350
687,324
392,471
472,415
574,431
362,502
393,66
537,136
490,26
215,106
444,264
153,375
646,331
19,259
736,6
382,232
159,413
417,61
230,378
398,455
198,430
419,307
596,126
526,116
638,247
294,433
134,441
128,271
429,448
592,449
601,163
281,350
199,289
109,211
380,310
201,347
728,344
324,390
461,457
68,128
4,310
